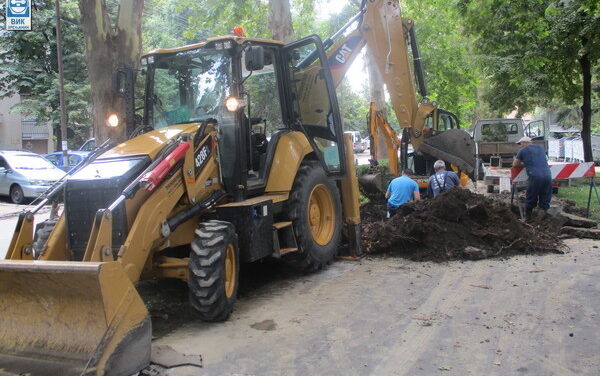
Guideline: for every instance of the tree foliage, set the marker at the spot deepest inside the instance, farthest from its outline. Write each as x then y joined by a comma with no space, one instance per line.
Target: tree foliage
534,51
452,75
29,68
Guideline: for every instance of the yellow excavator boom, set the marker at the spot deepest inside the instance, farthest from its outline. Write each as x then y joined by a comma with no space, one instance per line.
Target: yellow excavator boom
389,37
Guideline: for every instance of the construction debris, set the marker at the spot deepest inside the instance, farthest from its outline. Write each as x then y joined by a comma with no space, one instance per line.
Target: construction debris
458,224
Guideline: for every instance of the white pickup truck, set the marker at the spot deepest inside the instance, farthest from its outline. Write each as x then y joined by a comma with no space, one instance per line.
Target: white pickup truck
496,138
496,147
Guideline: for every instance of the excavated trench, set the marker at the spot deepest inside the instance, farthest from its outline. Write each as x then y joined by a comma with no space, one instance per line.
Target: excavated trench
458,224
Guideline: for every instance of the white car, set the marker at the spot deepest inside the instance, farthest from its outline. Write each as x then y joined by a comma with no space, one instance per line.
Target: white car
26,175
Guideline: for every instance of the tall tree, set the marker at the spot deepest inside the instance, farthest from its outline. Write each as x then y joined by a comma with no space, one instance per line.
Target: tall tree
109,45
209,18
280,20
452,75
537,51
29,67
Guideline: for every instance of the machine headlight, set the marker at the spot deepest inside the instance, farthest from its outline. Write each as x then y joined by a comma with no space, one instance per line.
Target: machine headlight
233,104
112,120
38,182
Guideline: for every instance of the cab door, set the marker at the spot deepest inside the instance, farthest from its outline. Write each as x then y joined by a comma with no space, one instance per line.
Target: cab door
313,102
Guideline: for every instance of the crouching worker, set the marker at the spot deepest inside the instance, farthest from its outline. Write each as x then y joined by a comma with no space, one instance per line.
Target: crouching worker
401,190
539,189
441,180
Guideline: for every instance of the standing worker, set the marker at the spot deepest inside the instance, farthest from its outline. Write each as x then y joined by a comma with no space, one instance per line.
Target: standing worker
539,189
401,190
442,180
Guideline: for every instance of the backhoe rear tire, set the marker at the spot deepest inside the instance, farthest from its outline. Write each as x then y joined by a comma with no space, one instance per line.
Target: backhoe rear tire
315,210
214,270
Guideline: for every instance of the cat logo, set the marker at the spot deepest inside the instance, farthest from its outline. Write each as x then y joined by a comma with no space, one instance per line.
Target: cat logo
341,56
343,53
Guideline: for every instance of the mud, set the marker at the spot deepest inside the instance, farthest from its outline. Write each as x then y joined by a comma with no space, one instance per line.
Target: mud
566,205
458,224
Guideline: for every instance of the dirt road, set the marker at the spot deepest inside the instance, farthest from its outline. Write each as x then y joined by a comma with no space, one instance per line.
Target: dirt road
528,315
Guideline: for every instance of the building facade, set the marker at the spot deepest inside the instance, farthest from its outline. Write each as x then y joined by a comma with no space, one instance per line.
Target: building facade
20,133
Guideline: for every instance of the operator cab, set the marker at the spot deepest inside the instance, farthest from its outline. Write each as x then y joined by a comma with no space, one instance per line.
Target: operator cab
437,122
254,90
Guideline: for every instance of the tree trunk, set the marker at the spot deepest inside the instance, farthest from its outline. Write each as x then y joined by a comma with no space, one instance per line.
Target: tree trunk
106,48
586,108
376,89
280,20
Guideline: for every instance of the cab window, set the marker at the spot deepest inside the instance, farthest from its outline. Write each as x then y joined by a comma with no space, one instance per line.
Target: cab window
265,112
313,103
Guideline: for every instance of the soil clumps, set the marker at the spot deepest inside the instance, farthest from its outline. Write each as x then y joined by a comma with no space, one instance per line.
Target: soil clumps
458,224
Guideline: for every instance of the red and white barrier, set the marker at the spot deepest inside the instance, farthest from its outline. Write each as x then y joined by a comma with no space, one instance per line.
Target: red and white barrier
559,171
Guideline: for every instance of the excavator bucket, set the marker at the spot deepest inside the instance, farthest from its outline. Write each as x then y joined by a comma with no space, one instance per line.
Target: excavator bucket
372,184
454,146
71,318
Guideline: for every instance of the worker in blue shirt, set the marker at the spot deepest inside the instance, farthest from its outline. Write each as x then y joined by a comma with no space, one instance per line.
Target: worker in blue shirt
539,189
401,190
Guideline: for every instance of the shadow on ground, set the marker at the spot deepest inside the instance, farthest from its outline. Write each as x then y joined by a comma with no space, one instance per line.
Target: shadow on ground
167,299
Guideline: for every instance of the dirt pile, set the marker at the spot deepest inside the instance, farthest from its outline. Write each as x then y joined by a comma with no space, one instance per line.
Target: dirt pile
458,224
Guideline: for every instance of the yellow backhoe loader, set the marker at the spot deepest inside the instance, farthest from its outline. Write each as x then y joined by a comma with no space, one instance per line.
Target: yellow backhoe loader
239,156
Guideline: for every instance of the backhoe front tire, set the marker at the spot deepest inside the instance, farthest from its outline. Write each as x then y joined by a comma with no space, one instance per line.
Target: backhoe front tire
214,270
315,210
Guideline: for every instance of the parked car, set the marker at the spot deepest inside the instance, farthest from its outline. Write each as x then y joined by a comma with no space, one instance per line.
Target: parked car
358,144
73,159
26,175
89,145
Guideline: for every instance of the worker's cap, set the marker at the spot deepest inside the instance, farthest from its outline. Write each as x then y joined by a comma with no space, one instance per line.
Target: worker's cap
524,139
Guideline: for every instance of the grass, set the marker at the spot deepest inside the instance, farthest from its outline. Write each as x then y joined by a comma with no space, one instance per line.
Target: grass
578,192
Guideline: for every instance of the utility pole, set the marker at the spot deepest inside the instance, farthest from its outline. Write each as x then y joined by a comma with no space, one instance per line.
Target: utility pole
61,85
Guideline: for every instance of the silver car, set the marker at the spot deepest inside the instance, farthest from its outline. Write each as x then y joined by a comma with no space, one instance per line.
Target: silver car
26,175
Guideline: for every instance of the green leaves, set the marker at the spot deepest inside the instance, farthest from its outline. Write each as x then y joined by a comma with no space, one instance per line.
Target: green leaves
29,68
451,72
529,49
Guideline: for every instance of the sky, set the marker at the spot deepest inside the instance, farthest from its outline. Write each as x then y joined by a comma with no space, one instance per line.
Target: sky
328,7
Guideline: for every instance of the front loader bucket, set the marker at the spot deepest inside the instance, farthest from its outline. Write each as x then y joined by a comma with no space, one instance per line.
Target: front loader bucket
454,146
71,318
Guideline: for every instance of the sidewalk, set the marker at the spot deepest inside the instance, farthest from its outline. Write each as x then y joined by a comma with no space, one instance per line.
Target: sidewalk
9,210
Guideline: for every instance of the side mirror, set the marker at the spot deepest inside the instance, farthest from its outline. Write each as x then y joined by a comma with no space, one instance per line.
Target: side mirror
254,58
3,170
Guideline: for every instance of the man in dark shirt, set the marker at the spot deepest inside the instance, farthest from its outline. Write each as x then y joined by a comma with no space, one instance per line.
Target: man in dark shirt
441,180
539,190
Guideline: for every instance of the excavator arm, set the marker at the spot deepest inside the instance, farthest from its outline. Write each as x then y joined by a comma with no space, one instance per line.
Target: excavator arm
380,26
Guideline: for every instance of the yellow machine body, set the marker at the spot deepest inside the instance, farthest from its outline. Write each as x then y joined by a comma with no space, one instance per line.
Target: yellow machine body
64,315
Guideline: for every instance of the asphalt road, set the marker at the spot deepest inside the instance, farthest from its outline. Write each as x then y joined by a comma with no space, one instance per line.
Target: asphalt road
362,158
9,214
528,315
